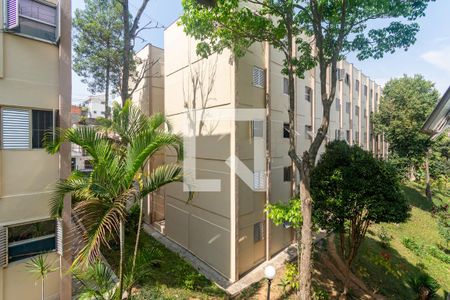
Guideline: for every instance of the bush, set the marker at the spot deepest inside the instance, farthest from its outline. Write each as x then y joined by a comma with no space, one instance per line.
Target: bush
290,278
320,294
384,237
414,247
424,286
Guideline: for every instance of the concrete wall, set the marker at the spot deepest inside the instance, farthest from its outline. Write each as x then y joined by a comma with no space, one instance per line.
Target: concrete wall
204,225
29,78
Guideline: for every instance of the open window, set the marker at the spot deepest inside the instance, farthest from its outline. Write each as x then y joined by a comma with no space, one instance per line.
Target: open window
33,18
31,239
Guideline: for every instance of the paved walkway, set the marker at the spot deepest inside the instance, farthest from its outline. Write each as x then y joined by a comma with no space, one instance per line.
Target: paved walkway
232,289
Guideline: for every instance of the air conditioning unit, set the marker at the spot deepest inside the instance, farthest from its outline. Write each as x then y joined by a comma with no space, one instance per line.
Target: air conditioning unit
340,74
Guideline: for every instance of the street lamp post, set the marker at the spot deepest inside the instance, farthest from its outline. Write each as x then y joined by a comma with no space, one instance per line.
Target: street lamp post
269,274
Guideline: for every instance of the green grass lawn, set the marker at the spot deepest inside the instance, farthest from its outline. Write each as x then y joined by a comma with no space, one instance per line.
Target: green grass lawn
389,274
169,276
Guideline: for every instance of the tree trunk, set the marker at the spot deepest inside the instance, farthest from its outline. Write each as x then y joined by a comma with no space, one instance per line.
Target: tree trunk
42,289
126,51
427,176
307,238
121,262
138,235
108,71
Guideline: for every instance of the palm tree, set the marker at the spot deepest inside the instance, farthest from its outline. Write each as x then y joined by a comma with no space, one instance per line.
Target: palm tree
119,149
98,281
39,266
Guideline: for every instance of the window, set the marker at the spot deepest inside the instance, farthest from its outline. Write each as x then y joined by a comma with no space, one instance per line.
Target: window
357,137
357,110
338,104
257,128
286,132
15,128
347,107
42,124
308,93
308,130
287,174
365,136
88,165
337,134
357,85
285,86
347,79
371,93
365,90
35,18
95,111
365,113
258,77
258,232
31,239
348,136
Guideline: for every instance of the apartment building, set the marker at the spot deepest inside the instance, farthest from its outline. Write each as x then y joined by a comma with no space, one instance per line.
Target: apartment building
35,89
229,229
149,97
93,107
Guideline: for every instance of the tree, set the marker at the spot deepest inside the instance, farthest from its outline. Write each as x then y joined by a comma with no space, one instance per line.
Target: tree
100,199
406,104
308,33
98,46
39,266
352,190
131,30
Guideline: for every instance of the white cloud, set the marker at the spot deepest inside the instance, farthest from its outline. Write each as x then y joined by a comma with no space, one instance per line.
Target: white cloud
439,58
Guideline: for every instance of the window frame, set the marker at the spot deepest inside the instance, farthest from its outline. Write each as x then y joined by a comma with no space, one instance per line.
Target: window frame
53,127
287,174
286,133
308,94
56,26
24,256
285,86
256,84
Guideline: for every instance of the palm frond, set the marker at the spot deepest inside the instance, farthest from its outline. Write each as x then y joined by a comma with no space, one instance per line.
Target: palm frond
161,176
144,146
76,184
100,219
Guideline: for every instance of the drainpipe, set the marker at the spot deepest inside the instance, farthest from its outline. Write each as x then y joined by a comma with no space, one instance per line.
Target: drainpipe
268,144
65,93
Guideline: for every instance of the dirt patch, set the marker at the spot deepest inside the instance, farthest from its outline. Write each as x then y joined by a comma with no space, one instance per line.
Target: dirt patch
329,275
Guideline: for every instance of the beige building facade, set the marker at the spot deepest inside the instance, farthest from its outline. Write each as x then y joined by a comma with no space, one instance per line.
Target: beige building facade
32,101
229,229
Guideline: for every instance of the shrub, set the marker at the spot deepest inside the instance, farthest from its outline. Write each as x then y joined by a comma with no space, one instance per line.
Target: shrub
413,246
384,237
290,278
424,286
320,294
439,254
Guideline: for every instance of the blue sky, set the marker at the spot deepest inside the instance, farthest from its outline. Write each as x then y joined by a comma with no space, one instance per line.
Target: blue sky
429,56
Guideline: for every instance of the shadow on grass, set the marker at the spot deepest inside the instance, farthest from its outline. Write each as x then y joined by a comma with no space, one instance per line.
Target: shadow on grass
167,275
417,199
386,271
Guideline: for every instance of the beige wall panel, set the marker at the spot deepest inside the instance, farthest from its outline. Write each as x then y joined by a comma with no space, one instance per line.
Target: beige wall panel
250,253
39,176
20,208
280,238
40,68
18,283
177,222
210,242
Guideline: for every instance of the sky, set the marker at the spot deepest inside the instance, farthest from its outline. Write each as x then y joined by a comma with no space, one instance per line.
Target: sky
429,56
